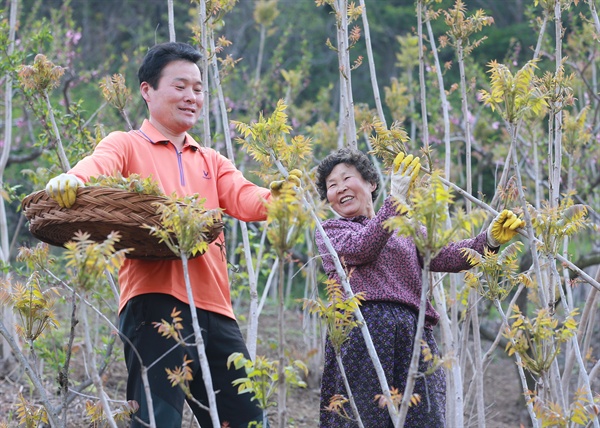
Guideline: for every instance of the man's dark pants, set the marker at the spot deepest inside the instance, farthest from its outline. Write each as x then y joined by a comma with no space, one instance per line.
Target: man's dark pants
221,336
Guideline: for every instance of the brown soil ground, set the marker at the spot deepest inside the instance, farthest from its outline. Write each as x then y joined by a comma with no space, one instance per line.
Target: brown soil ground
503,394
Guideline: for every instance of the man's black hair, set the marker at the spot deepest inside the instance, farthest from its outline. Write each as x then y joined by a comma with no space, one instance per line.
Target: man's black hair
159,56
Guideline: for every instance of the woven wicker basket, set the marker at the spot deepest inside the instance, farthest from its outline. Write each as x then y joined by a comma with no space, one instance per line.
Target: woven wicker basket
100,211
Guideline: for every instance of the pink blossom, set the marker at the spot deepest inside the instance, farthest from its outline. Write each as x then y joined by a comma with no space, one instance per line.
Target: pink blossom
230,103
434,140
74,36
471,118
495,125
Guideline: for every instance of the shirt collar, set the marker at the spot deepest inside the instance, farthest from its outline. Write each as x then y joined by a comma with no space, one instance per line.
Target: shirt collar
150,132
356,219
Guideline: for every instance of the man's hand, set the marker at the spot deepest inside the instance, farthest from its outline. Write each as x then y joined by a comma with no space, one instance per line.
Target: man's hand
63,189
503,228
405,172
293,179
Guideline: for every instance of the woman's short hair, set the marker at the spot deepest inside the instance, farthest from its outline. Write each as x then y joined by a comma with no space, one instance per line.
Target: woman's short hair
348,156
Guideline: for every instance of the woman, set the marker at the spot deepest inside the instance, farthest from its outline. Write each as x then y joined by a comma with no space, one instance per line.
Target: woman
386,268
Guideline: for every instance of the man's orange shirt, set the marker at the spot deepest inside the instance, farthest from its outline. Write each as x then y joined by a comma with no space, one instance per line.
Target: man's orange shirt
193,170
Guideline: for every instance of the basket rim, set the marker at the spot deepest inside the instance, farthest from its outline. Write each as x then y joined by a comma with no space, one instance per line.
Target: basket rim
99,210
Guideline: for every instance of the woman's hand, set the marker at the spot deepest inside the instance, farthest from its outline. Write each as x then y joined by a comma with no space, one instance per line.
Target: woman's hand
404,173
503,228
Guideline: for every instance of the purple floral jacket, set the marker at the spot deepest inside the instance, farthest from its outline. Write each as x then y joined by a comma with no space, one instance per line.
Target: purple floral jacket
385,266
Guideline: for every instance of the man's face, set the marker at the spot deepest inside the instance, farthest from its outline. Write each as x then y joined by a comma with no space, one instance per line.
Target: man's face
177,101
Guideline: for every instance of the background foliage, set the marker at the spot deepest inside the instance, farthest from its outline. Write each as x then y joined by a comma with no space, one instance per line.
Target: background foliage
270,51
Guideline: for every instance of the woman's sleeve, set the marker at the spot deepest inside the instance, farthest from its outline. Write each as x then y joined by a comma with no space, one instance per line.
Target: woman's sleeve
452,259
355,243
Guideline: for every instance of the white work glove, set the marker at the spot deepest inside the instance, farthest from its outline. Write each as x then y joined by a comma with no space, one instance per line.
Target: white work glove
63,189
404,173
503,228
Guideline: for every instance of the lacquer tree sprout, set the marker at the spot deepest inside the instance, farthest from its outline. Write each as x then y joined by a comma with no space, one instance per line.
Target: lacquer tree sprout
185,226
41,78
263,378
286,214
494,277
116,92
338,314
424,221
33,305
267,141
88,263
517,98
461,29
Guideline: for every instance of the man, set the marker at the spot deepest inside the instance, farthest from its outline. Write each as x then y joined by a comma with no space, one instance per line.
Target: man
171,85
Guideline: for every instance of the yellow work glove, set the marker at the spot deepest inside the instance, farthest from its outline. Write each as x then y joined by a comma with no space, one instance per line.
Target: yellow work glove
503,228
63,189
404,173
293,180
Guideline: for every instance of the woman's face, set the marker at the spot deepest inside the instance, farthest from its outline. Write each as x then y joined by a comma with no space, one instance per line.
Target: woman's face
349,193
